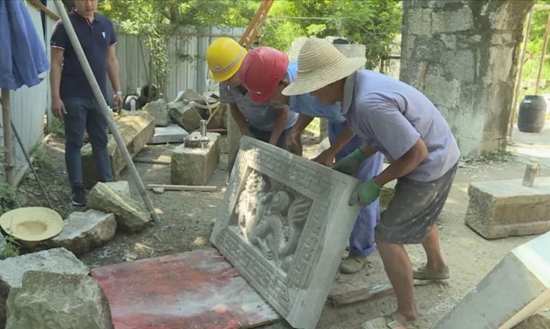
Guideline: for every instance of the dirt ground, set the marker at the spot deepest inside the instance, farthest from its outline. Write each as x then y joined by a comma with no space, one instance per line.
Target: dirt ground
187,218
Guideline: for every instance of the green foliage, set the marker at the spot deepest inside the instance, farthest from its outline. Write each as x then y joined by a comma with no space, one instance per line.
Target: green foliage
57,127
534,50
10,249
372,23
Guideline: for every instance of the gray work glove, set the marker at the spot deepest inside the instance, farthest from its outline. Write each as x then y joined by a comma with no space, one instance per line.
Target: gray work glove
351,163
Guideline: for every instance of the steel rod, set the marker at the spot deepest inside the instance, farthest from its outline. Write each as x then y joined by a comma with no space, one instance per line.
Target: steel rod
104,108
31,165
520,73
8,152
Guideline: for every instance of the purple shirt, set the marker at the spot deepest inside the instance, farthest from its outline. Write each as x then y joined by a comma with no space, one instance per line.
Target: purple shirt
391,116
95,37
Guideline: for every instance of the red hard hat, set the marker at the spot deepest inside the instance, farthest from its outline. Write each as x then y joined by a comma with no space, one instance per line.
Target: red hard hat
261,71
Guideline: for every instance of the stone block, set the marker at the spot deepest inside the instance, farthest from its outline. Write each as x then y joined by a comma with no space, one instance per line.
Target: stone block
57,260
83,231
129,214
498,209
441,91
49,300
171,134
195,166
121,187
158,110
501,61
517,288
136,130
449,40
419,21
185,115
537,321
461,65
451,21
276,226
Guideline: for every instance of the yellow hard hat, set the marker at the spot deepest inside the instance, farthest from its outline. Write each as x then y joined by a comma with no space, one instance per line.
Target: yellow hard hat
224,57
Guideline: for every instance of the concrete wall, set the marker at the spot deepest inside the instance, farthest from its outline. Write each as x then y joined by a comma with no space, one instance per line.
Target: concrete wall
463,55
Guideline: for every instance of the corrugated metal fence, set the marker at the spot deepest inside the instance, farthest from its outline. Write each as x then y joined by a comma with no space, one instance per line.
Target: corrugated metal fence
186,60
28,106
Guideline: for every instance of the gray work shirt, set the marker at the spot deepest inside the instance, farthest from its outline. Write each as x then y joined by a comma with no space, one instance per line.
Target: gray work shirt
259,116
391,116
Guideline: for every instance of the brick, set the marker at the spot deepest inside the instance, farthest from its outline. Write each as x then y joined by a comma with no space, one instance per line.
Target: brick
517,288
498,209
293,273
195,166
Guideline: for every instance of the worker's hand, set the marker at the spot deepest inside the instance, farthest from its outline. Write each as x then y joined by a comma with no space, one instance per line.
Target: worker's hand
365,193
58,108
326,158
351,163
294,144
118,102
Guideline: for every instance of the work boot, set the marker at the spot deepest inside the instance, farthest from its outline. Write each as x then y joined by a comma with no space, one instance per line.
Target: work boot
79,197
352,264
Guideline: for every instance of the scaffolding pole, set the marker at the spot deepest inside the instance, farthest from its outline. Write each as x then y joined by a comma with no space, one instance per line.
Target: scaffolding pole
103,105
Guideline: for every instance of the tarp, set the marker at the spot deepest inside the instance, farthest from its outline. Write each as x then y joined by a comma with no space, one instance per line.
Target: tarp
22,54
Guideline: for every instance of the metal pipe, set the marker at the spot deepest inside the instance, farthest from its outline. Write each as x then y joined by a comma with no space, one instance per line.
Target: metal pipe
8,152
31,165
520,73
544,46
104,108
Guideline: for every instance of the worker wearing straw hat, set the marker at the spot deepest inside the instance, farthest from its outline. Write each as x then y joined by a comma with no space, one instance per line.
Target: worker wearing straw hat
224,57
265,72
403,124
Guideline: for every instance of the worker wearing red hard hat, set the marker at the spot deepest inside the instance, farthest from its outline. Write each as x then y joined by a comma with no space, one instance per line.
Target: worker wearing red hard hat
266,123
265,72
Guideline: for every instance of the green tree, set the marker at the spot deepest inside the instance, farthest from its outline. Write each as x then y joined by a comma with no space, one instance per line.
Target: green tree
372,23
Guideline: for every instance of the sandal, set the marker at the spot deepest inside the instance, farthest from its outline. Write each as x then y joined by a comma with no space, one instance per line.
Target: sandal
387,322
422,273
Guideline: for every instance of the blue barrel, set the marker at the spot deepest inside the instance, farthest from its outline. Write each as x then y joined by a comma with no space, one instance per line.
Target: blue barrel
532,114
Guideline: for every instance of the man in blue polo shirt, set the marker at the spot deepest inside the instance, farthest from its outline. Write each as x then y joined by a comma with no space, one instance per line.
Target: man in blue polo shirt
72,97
266,72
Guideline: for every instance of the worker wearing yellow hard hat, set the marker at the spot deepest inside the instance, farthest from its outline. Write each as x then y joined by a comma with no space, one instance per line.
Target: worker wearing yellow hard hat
264,122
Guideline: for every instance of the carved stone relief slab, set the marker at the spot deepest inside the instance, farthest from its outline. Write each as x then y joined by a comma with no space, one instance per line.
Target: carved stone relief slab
283,224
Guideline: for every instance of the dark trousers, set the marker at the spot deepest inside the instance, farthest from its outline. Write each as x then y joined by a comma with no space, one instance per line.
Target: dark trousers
85,115
264,136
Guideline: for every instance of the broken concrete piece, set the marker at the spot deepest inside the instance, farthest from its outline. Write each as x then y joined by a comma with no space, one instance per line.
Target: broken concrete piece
121,187
159,111
276,226
136,130
185,115
171,134
498,209
517,288
83,231
195,166
129,214
537,321
58,260
185,96
49,300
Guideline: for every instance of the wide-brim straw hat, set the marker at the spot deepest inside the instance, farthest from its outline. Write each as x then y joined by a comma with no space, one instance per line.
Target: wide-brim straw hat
320,64
32,224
